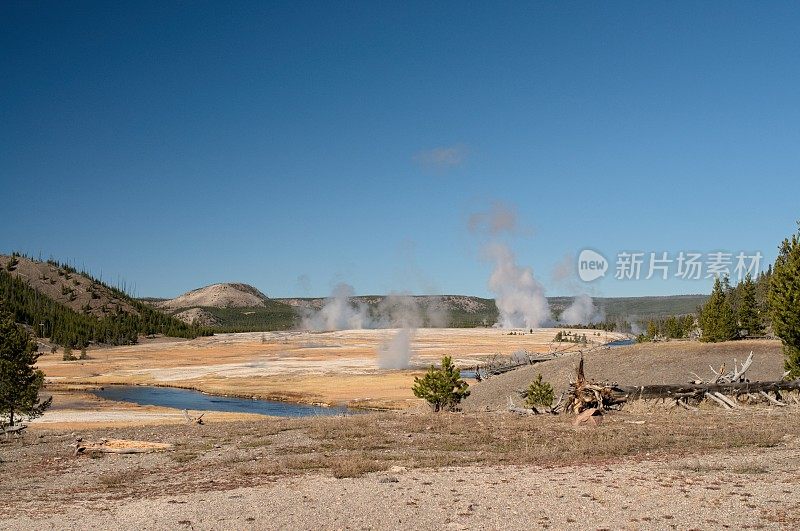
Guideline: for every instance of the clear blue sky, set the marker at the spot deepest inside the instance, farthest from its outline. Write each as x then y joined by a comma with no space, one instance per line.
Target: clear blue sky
174,145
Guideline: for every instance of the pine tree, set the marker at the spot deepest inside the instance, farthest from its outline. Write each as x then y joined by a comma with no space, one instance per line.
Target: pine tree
19,381
716,318
784,301
539,393
441,388
748,313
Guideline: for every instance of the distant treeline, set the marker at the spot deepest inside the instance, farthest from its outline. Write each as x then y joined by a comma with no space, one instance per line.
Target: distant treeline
606,326
67,327
672,327
275,316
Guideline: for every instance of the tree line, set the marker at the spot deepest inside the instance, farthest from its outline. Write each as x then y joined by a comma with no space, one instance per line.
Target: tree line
64,326
771,302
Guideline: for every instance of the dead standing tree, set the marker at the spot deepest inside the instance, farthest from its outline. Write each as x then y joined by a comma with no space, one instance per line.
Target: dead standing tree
583,394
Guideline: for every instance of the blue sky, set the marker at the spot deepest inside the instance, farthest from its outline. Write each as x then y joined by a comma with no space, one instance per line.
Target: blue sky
295,145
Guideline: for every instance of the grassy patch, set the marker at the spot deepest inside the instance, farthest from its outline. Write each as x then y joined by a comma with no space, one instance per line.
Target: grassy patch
121,478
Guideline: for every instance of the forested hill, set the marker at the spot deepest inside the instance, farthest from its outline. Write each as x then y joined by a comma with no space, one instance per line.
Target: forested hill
73,309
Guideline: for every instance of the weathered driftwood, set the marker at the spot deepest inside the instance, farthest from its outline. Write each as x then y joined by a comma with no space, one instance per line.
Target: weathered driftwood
118,446
772,400
193,420
583,394
720,376
693,390
513,408
715,397
15,430
500,365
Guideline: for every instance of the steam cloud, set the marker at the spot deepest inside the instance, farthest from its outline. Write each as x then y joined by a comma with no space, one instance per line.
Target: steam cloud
396,352
397,310
337,313
519,296
582,311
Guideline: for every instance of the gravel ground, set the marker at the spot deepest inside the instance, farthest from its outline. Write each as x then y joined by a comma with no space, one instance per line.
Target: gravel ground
720,490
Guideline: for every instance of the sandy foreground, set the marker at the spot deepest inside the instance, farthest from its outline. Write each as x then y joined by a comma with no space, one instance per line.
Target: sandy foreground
320,368
647,467
683,494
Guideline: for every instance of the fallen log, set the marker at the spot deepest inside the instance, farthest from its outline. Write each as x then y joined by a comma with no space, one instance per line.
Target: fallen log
583,394
693,390
119,446
521,410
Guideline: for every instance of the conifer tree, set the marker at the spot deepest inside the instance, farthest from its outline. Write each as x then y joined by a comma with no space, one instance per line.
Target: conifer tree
716,318
748,312
784,301
441,388
20,382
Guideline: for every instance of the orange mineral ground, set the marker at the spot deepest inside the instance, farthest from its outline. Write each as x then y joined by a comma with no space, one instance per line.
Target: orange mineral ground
309,367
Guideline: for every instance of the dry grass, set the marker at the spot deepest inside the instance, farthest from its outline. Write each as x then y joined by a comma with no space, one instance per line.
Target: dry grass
351,446
121,479
230,455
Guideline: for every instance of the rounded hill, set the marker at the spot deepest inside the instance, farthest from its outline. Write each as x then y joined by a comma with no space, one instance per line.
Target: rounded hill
227,295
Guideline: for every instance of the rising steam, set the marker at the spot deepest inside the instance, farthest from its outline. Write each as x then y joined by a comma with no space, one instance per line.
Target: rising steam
341,311
396,352
519,296
582,311
338,313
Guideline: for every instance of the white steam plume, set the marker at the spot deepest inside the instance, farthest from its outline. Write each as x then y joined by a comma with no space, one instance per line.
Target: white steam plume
396,352
337,313
582,311
519,296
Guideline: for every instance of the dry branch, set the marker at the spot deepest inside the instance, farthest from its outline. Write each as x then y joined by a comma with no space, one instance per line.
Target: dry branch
772,400
521,410
193,420
14,430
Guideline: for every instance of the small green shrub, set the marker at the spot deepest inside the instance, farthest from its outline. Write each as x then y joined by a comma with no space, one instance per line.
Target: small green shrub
539,394
442,388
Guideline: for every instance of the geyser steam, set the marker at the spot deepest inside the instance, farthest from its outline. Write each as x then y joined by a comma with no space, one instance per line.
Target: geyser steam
337,313
519,296
396,352
581,311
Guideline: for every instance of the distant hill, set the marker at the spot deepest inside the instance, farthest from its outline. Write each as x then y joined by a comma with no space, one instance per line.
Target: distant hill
74,309
469,311
232,295
229,307
235,307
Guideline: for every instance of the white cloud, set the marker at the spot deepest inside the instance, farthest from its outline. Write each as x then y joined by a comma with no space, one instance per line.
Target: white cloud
442,158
